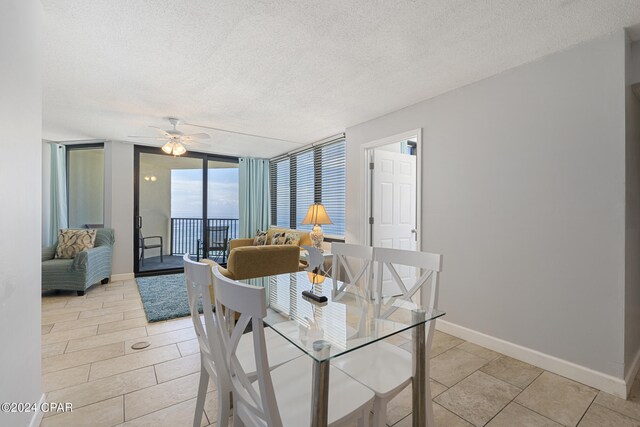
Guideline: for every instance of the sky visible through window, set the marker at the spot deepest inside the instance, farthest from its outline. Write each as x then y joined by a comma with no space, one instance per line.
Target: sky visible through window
186,193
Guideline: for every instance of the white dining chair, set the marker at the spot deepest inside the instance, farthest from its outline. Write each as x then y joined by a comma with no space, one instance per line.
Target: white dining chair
343,253
198,278
281,397
385,368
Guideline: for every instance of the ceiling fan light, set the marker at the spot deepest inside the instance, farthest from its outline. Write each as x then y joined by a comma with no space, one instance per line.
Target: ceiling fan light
178,149
168,147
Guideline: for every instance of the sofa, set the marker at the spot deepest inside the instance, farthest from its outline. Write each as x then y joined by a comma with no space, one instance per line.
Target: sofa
247,261
87,268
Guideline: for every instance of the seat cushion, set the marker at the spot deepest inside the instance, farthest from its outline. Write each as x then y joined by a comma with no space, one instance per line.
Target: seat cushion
292,387
381,366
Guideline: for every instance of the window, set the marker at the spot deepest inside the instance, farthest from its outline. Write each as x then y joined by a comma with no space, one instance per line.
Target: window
85,185
309,176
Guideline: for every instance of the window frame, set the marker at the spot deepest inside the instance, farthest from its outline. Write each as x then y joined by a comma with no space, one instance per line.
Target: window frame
317,155
78,147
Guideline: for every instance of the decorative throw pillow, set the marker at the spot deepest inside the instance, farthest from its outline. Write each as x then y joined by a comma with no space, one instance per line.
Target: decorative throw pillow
71,242
278,238
291,239
260,239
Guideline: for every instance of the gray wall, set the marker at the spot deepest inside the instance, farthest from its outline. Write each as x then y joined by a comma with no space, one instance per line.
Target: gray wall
634,59
632,273
118,202
20,215
524,193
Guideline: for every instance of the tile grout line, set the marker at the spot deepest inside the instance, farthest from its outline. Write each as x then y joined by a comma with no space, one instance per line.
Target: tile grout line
521,404
587,410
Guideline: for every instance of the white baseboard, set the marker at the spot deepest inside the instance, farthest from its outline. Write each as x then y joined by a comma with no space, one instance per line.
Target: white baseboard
605,382
122,276
631,375
38,414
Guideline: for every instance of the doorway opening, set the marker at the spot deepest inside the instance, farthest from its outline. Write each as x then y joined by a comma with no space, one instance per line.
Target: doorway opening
392,199
186,204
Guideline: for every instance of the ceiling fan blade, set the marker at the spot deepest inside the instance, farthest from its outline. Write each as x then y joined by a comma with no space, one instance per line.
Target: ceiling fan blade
192,143
158,138
164,132
199,136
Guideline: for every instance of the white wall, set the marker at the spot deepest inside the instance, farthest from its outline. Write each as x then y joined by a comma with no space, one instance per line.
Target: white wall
155,202
632,273
118,202
20,215
524,194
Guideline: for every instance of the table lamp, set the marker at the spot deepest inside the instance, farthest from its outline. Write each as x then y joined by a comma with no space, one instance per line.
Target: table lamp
317,216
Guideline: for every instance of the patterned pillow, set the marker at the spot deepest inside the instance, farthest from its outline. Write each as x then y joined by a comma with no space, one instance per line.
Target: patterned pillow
278,238
291,239
260,239
71,242
285,238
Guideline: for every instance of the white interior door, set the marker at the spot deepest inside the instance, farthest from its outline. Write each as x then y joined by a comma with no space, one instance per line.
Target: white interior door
394,209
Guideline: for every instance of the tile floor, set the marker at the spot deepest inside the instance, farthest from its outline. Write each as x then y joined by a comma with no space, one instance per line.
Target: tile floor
87,360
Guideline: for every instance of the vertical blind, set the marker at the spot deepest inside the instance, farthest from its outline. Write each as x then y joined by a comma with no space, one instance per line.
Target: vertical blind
315,175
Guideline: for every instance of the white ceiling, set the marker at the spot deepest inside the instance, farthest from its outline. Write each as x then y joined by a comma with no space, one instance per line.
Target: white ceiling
295,70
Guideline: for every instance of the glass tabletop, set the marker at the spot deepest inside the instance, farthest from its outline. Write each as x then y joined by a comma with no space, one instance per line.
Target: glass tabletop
348,320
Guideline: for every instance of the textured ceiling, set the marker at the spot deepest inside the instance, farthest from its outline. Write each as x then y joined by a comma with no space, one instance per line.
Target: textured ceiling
294,70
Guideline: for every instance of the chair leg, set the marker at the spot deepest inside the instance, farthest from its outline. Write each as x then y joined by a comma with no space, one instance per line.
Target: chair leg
379,412
142,257
161,260
80,293
202,395
105,281
237,422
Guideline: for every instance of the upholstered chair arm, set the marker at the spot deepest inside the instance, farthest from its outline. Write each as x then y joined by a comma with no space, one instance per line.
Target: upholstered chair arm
256,261
48,252
91,257
238,243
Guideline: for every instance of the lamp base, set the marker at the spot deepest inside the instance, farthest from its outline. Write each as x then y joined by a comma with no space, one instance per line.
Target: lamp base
317,237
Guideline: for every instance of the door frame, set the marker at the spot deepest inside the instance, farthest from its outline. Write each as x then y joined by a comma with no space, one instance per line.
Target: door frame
366,151
205,158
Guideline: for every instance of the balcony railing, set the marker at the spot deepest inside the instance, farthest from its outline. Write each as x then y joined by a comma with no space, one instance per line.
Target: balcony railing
185,233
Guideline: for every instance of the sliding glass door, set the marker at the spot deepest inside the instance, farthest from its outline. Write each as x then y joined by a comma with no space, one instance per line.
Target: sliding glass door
172,214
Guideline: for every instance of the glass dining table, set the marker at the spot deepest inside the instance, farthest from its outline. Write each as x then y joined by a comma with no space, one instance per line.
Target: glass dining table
349,320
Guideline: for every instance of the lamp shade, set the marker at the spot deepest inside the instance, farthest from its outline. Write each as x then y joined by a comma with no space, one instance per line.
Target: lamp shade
168,147
178,149
317,214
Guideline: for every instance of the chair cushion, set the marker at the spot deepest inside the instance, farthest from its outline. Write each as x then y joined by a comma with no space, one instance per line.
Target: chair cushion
260,239
71,242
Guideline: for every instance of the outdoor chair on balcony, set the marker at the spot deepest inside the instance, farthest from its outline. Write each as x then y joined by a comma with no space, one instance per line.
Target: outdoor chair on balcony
153,244
218,243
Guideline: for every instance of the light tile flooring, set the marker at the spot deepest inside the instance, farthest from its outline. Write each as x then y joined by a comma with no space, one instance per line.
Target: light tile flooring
87,360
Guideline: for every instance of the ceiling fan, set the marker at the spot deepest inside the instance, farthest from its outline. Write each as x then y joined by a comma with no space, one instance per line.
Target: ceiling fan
176,141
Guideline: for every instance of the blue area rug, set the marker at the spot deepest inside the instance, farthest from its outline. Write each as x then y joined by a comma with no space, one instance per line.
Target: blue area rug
164,297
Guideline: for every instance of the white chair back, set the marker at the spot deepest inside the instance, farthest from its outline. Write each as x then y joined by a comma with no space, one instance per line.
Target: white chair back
341,254
198,277
253,408
429,264
315,259
212,365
